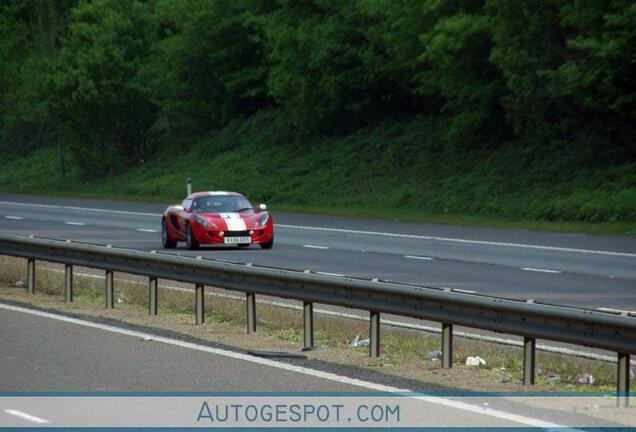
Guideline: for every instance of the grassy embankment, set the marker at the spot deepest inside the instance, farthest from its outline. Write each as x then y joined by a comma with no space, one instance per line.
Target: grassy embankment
395,170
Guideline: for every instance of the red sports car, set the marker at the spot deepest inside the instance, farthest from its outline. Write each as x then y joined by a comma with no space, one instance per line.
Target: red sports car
217,218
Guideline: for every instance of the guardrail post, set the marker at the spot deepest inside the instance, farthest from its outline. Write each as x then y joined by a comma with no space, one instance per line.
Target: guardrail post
529,352
374,335
200,305
110,289
447,346
153,296
251,312
31,276
68,283
622,379
308,316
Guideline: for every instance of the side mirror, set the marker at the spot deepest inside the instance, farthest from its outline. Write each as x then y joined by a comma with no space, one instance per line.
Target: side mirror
262,207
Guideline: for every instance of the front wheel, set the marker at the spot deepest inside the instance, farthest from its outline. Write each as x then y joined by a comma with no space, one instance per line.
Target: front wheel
191,242
165,237
268,245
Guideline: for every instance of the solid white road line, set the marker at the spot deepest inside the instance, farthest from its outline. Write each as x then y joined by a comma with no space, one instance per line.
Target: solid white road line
341,230
75,223
26,416
458,240
620,311
148,230
540,270
289,367
464,291
423,258
315,247
330,274
98,210
14,217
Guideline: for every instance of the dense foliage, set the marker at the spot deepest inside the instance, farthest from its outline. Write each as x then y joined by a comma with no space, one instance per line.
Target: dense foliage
115,81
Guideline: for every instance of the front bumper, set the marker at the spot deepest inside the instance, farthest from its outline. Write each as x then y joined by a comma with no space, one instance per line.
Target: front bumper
208,235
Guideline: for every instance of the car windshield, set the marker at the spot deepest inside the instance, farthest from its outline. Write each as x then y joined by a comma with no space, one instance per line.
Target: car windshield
221,204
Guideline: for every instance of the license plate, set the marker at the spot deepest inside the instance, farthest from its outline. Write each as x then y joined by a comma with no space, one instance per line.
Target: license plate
237,240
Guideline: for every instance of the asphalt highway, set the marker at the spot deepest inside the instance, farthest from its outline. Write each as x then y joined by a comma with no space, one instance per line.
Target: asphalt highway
567,269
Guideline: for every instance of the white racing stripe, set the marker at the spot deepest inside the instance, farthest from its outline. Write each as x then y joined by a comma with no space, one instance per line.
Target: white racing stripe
234,221
26,416
291,368
341,230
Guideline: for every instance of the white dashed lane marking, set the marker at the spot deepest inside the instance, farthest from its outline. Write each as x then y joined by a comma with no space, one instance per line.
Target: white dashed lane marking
74,223
423,258
14,217
540,270
315,247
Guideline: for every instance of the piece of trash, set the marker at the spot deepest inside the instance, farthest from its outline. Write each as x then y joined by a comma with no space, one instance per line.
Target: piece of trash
475,361
19,284
354,342
433,355
587,379
364,342
554,377
120,300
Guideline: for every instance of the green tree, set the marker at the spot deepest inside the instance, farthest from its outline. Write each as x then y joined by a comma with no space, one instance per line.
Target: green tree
100,96
31,33
328,63
528,43
210,63
598,75
456,65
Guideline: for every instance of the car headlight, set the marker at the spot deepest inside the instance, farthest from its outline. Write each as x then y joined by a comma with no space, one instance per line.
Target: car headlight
201,220
264,219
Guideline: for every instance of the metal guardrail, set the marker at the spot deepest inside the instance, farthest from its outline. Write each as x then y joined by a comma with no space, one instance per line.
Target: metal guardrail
606,330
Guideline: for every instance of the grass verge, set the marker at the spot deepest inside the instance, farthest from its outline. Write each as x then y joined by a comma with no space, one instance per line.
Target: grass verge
394,170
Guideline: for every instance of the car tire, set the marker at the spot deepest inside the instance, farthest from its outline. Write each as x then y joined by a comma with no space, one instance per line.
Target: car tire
268,245
165,237
191,242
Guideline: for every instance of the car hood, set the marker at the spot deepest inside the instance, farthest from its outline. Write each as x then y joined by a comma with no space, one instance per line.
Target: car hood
233,221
